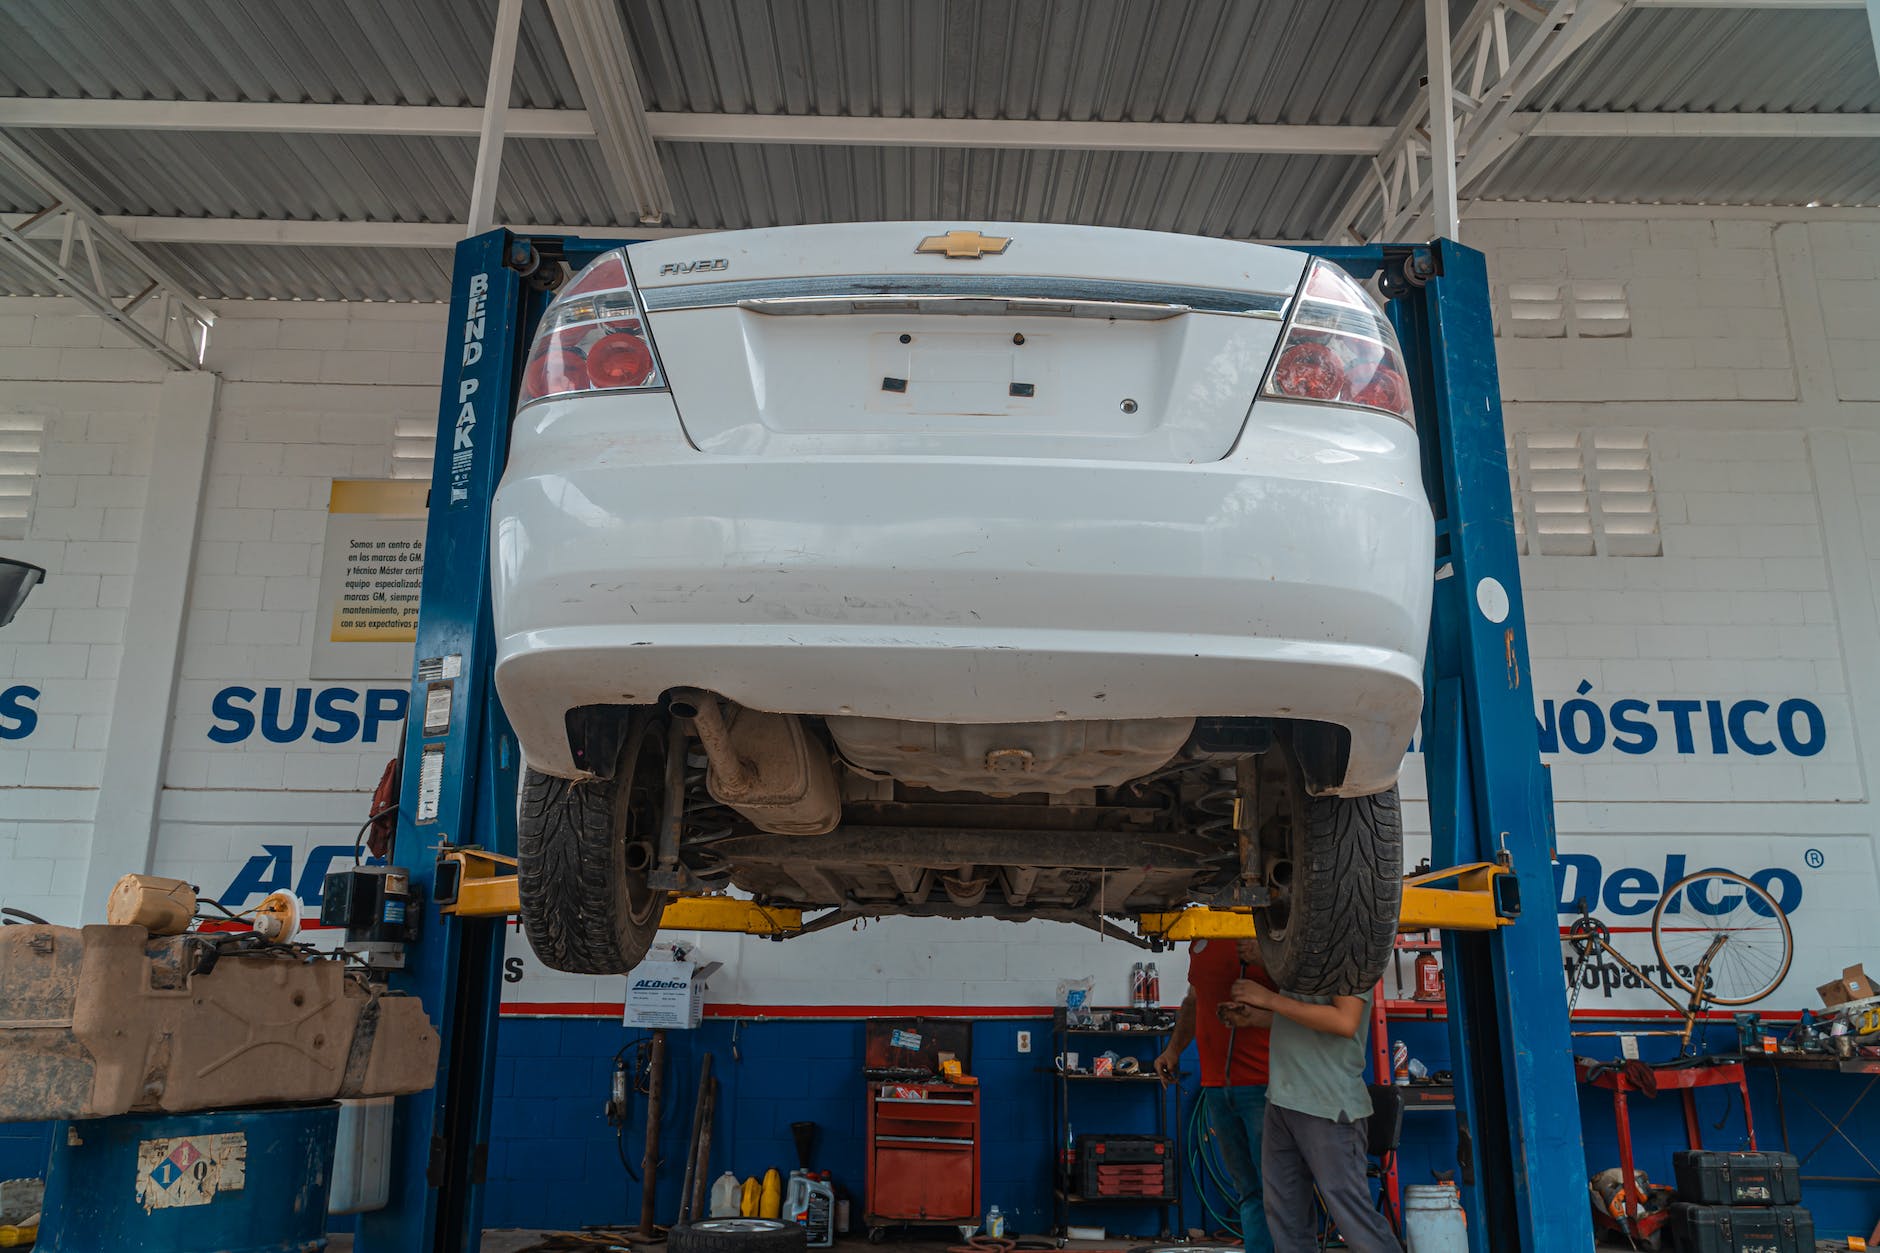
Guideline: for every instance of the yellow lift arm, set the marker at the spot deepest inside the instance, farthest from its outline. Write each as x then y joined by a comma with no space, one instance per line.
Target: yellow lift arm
474,883
1482,899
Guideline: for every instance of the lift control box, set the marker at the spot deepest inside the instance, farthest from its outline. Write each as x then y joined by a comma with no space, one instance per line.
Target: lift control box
377,907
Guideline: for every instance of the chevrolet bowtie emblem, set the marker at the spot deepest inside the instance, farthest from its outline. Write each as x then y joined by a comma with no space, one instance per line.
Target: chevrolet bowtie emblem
963,245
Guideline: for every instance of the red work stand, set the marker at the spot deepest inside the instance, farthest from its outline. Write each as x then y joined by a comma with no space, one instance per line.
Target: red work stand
1682,1079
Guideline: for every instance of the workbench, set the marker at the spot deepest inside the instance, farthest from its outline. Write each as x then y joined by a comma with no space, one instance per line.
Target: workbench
1777,1063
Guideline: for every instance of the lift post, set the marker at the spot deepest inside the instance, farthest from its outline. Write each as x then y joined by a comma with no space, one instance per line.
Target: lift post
1523,1170
1523,1176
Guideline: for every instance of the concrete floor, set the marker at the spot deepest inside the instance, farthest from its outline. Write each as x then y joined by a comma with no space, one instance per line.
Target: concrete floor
513,1241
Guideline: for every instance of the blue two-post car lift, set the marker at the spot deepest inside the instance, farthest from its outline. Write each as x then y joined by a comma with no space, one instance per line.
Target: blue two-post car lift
1521,1170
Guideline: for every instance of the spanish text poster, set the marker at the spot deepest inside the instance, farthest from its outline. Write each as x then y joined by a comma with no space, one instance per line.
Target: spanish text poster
370,576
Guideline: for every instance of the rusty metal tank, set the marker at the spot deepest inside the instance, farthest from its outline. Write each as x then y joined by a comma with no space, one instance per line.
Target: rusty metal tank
101,1021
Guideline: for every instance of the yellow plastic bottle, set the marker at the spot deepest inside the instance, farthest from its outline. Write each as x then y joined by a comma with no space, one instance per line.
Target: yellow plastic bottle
753,1199
772,1203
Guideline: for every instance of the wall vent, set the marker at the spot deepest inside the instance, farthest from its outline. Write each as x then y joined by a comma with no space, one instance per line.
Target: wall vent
1584,494
21,437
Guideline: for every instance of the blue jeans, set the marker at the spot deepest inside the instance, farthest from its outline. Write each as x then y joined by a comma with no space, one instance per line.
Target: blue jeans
1235,1118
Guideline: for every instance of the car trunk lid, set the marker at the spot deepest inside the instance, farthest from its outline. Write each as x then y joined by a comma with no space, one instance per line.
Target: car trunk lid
1053,341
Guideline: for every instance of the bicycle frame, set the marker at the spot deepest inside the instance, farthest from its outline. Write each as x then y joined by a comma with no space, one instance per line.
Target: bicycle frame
1586,934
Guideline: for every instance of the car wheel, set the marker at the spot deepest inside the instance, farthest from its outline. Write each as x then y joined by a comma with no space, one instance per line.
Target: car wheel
1334,866
583,848
738,1235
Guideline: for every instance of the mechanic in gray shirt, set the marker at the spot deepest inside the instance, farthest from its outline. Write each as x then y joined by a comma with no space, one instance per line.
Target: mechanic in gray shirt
1317,1107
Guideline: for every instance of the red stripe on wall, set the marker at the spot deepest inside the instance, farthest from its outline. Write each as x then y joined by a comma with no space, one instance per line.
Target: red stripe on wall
1400,1011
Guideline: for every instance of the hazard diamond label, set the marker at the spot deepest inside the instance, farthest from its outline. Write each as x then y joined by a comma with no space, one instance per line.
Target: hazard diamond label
190,1170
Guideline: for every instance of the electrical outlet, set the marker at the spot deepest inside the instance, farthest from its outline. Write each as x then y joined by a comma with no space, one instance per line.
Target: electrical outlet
1024,1041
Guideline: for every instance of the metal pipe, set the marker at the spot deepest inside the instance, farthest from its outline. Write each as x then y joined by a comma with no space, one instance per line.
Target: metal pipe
649,1160
691,1145
702,1174
708,723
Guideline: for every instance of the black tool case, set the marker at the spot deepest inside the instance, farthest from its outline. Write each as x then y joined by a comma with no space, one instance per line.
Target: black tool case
1706,1177
1741,1229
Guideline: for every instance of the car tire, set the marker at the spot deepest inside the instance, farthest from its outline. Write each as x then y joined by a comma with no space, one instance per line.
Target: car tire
738,1235
1335,866
582,852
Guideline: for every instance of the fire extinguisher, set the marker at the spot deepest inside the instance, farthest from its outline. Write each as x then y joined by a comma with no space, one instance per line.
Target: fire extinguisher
1429,977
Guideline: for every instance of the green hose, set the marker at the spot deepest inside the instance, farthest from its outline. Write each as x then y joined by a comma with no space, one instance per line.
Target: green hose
1206,1159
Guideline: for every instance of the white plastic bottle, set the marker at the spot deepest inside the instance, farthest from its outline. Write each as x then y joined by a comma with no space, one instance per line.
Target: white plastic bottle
995,1223
796,1197
819,1211
727,1196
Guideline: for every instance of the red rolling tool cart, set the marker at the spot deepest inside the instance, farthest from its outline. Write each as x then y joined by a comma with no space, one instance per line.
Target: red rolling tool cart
923,1155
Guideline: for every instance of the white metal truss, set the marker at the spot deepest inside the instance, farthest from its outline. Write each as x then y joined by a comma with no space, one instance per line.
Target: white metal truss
69,246
594,37
1500,54
495,117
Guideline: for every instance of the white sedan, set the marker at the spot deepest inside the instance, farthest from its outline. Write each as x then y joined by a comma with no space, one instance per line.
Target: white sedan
1006,570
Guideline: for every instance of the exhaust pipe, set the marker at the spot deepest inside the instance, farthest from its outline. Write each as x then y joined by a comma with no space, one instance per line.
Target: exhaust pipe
764,765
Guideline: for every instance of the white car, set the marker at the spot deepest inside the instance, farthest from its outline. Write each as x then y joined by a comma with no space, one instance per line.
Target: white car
1005,570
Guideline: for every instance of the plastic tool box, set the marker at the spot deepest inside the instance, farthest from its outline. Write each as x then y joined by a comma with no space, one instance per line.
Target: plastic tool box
1125,1166
1706,1177
1742,1229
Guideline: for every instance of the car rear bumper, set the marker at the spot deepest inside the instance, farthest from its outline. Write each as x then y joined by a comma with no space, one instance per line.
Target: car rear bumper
1291,579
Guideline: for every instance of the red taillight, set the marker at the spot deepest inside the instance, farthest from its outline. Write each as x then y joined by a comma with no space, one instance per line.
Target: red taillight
619,359
1339,348
1309,370
554,369
1387,389
593,337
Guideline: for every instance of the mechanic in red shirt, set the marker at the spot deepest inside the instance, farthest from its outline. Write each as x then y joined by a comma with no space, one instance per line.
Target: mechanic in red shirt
1231,1045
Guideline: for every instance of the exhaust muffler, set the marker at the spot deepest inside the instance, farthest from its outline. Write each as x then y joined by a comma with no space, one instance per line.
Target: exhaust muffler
764,765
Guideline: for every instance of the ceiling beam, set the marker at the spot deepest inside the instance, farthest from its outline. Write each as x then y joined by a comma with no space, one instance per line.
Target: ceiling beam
723,128
446,121
921,132
449,121
489,170
594,39
1700,125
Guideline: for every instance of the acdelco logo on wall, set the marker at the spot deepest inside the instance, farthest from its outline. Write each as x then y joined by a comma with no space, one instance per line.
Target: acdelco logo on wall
1821,884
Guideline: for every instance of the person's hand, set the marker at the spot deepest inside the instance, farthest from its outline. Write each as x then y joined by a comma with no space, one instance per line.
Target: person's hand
1167,1065
1234,1014
1248,950
1258,995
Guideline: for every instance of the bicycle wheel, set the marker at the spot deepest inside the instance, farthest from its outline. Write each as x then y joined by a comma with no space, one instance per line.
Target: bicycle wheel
1734,920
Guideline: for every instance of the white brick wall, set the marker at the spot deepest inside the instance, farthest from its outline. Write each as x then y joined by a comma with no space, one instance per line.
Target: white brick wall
1740,607
300,408
1706,310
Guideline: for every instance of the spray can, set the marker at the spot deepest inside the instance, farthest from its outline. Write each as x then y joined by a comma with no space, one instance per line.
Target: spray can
1136,986
1152,987
1400,1063
1429,973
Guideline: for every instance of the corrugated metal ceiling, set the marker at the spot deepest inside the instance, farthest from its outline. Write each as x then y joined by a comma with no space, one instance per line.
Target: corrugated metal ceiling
300,51
1322,62
1724,60
1299,61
